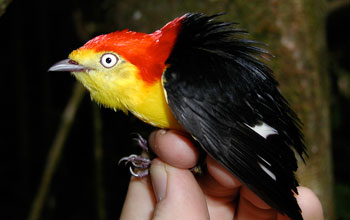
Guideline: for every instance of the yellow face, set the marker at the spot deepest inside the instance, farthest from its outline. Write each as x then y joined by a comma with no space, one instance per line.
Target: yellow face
109,78
115,83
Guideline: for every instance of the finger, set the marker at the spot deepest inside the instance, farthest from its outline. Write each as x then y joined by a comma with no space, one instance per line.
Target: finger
220,182
140,201
250,206
174,148
253,198
221,189
222,175
309,204
178,193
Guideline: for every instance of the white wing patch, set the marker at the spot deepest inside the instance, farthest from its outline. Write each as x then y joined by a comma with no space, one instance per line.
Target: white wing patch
263,129
266,170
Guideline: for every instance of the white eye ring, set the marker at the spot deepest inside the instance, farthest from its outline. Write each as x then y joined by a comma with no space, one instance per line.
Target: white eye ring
108,60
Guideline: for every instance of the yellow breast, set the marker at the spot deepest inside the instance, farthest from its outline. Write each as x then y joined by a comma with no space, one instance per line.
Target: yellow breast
150,106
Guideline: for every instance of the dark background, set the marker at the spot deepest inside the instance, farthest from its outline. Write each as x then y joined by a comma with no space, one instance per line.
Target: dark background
36,34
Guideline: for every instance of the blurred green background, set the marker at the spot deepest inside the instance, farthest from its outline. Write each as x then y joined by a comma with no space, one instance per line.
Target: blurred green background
58,165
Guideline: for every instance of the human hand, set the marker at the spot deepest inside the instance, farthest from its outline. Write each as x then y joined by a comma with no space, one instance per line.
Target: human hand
173,192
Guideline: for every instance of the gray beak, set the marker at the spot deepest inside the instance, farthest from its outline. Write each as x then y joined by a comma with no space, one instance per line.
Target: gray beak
67,65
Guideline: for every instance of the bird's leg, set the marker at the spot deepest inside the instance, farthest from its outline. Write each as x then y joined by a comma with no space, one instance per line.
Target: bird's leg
141,142
200,167
197,170
140,163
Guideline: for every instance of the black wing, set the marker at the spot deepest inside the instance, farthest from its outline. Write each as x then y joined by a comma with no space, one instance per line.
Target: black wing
218,90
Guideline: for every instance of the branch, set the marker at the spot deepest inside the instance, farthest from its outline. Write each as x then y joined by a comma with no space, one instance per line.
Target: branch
336,4
3,6
56,150
98,155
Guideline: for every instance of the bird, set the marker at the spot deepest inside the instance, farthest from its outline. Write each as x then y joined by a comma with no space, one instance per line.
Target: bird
203,76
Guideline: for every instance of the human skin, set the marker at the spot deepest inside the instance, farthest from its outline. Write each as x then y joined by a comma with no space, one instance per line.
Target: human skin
172,191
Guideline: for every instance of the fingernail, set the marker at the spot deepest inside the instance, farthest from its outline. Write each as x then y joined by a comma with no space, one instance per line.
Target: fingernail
162,131
159,179
152,137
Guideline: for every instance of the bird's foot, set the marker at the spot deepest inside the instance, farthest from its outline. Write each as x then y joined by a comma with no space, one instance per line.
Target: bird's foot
140,163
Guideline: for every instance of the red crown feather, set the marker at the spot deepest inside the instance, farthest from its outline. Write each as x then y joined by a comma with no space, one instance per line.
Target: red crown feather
146,51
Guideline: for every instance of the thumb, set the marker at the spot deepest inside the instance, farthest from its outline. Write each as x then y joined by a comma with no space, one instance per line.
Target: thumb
178,194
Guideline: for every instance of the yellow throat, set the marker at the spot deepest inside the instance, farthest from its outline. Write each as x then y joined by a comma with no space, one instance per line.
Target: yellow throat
122,88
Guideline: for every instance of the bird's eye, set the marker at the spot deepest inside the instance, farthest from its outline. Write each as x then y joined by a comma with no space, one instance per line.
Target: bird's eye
108,60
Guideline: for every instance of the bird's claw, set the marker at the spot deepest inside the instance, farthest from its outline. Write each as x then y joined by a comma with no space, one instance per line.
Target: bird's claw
139,163
136,160
139,173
